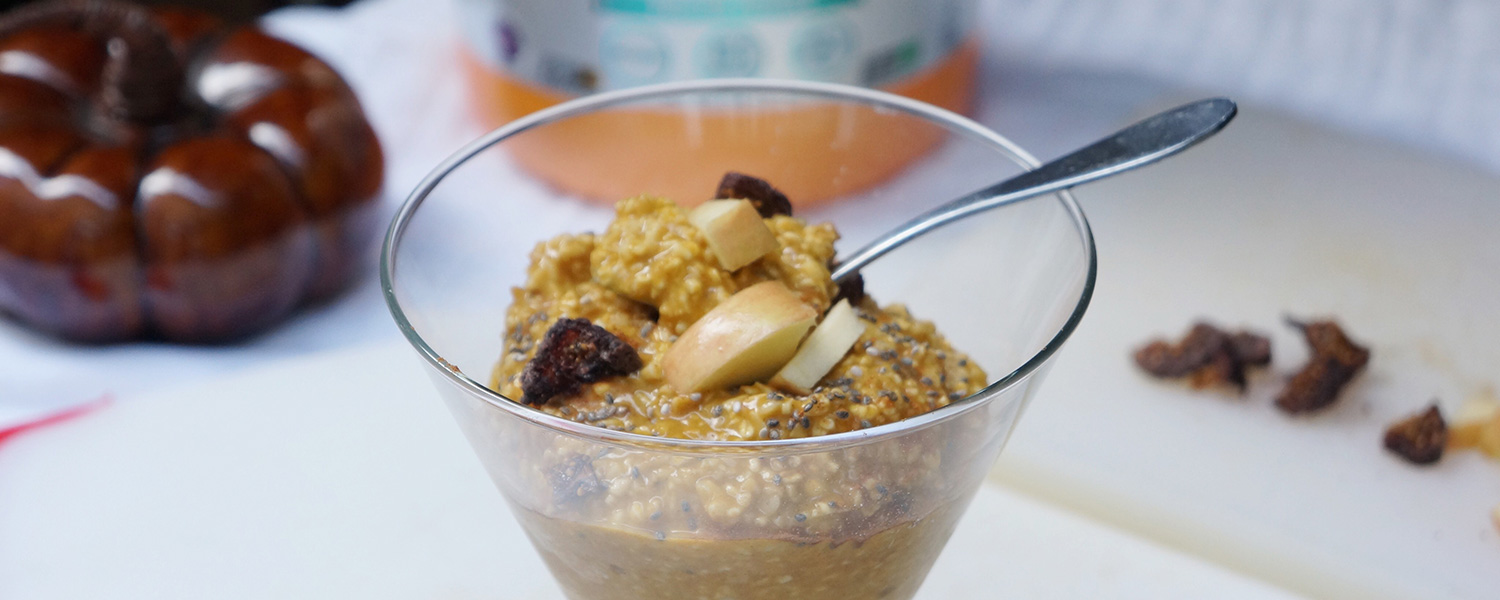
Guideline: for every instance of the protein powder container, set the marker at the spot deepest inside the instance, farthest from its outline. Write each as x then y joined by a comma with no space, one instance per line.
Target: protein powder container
524,55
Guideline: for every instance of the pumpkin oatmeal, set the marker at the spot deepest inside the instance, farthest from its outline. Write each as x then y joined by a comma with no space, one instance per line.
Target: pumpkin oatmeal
649,277
863,521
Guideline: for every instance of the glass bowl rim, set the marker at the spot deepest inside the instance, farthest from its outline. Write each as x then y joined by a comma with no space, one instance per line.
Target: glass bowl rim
587,104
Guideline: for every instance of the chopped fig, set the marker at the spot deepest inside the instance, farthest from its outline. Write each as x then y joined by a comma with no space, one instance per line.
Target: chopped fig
1207,355
572,353
768,201
852,288
1419,438
1335,361
574,479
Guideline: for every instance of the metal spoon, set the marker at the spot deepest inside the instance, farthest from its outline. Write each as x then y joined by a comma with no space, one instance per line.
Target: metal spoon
1140,144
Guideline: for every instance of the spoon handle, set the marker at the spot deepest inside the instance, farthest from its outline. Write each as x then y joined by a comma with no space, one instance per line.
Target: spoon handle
1140,144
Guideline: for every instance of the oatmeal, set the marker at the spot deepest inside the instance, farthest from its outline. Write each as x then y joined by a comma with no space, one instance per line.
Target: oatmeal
854,521
649,277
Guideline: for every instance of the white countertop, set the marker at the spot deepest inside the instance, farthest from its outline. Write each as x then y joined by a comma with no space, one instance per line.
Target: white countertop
342,476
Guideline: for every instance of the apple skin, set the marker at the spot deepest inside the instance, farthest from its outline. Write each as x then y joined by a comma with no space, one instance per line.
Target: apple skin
746,338
736,233
827,344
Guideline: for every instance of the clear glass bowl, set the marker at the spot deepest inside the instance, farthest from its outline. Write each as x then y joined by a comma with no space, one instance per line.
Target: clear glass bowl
861,514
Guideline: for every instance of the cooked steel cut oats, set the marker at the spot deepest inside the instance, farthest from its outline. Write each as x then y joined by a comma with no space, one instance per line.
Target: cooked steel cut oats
628,524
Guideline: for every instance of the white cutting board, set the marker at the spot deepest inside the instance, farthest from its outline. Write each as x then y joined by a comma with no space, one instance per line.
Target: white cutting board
1276,217
342,476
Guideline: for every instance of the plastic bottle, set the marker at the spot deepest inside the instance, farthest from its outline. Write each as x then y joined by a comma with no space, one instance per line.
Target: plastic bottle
524,55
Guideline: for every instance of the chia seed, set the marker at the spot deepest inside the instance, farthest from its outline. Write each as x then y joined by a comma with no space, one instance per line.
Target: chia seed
656,515
806,423
832,504
775,434
686,507
843,414
609,398
776,479
718,411
800,517
863,424
646,329
774,396
963,362
872,351
926,381
856,371
906,360
661,536
955,396
773,423
695,397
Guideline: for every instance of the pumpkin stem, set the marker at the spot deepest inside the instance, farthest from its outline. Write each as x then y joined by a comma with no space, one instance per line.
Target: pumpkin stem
142,77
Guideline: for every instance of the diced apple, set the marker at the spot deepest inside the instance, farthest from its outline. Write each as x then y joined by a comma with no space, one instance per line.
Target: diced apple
1489,438
745,338
1476,425
1478,408
827,344
736,233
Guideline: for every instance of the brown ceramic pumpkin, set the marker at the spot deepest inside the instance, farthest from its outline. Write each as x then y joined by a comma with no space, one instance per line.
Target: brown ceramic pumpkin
163,175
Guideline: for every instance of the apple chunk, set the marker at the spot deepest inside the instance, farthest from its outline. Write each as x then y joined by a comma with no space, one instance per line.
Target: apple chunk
745,338
829,342
736,234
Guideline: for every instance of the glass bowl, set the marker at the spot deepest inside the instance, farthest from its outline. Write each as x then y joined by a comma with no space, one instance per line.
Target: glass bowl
859,514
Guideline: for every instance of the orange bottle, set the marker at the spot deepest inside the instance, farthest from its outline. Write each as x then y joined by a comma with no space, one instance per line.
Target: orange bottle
525,55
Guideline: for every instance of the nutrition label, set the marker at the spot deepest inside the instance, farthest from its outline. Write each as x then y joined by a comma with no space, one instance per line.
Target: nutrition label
584,46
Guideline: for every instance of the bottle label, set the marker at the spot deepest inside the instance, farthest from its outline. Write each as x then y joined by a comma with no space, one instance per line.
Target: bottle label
585,46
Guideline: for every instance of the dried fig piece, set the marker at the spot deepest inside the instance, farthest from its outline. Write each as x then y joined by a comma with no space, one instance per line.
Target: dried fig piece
768,201
1207,355
1251,349
572,353
574,479
852,288
1334,362
1419,438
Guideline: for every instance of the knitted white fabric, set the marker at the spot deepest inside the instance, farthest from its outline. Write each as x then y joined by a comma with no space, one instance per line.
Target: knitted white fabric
1422,71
